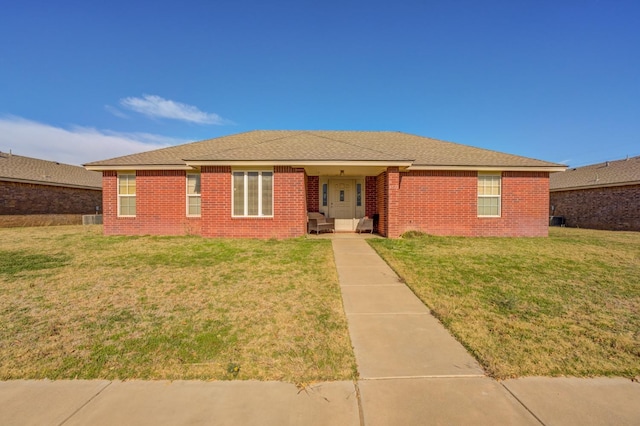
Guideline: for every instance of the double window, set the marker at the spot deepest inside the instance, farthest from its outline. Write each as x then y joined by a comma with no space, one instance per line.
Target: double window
126,194
489,193
252,193
193,194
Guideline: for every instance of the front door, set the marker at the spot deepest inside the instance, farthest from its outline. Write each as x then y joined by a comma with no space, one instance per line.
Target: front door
342,203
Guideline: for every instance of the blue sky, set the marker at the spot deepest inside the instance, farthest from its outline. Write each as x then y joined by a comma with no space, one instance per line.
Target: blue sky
82,81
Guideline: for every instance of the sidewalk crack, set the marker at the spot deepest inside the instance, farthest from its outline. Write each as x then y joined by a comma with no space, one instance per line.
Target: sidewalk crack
522,403
84,405
359,398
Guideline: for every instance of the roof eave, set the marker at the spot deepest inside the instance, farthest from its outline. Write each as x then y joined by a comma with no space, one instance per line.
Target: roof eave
47,183
296,163
550,169
99,168
603,185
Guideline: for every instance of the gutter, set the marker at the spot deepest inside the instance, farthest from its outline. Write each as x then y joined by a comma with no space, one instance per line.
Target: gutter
39,182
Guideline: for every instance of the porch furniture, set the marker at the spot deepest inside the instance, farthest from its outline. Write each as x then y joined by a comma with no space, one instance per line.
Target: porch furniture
318,222
365,225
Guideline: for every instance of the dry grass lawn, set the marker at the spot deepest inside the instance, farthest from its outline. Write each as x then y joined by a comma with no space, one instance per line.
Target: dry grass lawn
76,304
564,305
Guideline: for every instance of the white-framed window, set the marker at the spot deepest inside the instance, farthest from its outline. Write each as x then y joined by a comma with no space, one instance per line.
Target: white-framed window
193,194
127,194
252,193
489,194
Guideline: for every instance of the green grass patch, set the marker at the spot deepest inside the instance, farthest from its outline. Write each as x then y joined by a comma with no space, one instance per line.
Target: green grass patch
564,305
169,308
15,262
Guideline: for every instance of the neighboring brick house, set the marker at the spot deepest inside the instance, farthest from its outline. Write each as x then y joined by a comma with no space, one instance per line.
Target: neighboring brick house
599,196
30,187
262,184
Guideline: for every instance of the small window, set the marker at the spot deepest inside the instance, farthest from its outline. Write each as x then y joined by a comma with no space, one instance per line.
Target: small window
359,194
489,195
127,194
193,194
252,193
324,194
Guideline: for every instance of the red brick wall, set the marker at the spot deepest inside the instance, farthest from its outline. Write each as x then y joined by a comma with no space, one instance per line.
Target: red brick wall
25,199
289,206
435,202
313,193
370,203
160,205
394,204
381,191
445,203
615,208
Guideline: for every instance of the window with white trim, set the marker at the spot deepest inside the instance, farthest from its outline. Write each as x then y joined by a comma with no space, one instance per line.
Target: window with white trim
489,194
193,194
252,193
126,194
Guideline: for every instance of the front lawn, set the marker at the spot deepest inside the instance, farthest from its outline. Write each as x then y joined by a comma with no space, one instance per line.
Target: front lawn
564,305
77,304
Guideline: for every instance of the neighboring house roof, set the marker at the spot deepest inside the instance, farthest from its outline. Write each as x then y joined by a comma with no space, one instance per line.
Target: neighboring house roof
610,173
324,147
16,168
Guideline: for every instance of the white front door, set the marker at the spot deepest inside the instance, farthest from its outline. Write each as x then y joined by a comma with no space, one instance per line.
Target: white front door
342,203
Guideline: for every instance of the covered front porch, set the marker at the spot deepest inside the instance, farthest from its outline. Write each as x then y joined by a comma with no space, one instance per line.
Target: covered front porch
347,194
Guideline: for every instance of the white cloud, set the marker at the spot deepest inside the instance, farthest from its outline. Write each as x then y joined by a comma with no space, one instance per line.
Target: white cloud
115,111
156,106
77,145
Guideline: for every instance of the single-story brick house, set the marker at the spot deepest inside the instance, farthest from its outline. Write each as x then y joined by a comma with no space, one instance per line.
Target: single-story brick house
599,196
263,183
32,187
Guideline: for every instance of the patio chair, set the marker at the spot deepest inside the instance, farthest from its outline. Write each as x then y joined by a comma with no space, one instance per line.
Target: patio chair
365,225
317,223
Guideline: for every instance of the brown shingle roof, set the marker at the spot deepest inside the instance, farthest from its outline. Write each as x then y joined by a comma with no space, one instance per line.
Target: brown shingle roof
292,145
32,170
610,173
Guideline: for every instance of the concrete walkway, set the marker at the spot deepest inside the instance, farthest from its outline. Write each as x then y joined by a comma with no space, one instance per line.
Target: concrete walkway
412,373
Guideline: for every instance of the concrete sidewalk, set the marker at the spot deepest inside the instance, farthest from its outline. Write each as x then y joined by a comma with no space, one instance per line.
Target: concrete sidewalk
412,372
101,402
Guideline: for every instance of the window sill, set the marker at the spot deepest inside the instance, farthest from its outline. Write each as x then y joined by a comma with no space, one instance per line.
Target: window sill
251,217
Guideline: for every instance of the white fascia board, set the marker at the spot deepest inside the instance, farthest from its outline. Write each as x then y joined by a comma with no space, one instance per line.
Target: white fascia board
550,169
301,163
138,167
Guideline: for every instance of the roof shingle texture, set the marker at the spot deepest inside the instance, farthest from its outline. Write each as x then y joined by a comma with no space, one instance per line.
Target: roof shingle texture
18,168
293,145
617,172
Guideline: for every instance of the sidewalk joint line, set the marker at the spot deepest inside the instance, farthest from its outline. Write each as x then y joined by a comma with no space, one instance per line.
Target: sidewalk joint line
435,376
398,284
522,403
85,404
359,399
388,313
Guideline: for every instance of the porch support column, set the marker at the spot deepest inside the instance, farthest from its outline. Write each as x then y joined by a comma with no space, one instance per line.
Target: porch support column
393,203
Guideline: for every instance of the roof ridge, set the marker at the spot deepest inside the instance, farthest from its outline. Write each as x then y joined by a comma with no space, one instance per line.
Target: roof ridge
257,143
360,146
609,162
58,163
